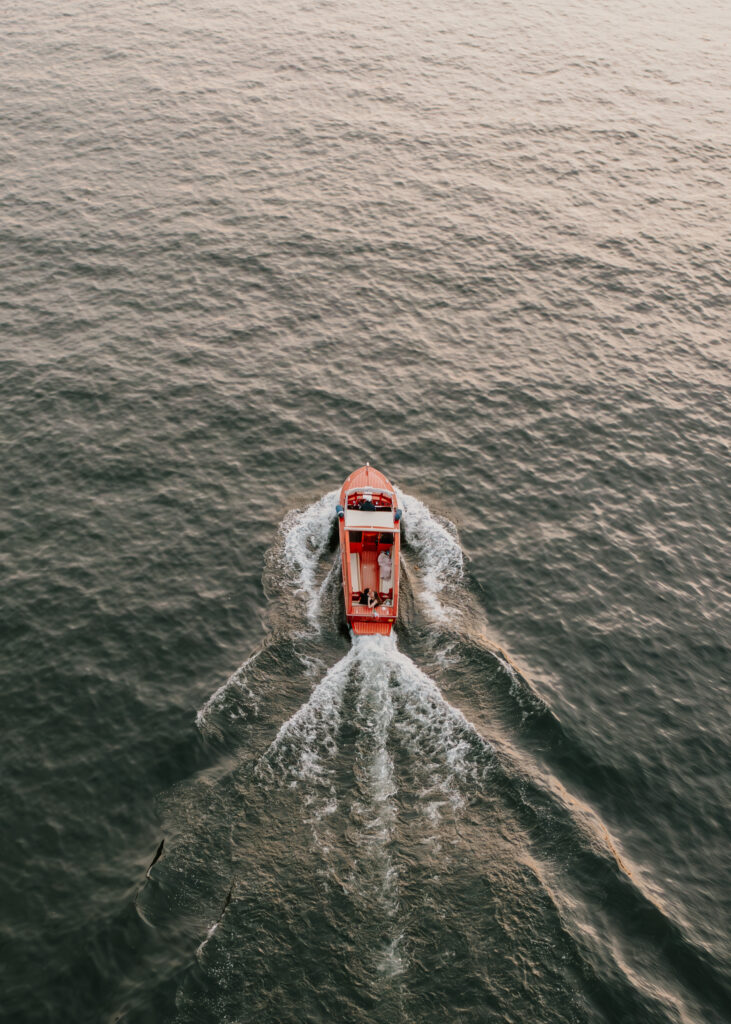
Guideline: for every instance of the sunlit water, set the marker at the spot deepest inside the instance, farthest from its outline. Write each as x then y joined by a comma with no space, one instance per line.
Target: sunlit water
244,249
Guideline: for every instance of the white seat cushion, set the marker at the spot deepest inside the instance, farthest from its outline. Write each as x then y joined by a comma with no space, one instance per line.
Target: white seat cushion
354,571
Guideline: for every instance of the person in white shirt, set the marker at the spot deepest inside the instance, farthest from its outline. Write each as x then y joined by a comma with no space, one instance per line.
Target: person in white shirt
385,566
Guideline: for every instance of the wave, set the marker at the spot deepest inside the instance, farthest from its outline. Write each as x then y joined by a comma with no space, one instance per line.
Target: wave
435,542
305,535
307,740
392,694
236,686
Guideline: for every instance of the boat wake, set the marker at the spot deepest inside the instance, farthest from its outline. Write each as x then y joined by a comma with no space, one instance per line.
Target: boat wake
376,702
303,538
408,702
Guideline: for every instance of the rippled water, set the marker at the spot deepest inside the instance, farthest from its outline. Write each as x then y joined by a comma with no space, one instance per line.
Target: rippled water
244,248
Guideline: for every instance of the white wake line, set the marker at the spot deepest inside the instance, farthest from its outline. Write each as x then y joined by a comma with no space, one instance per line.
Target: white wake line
440,556
304,720
314,598
417,701
217,699
305,534
432,692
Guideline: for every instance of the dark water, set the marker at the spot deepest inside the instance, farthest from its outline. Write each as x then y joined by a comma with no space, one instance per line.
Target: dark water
244,248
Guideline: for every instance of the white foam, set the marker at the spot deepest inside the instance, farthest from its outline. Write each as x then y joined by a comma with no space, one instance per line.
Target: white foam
528,701
446,656
508,668
305,536
392,693
374,714
448,754
441,561
391,961
307,739
373,882
209,935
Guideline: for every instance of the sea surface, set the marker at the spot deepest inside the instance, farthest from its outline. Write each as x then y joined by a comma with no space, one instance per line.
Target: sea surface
245,247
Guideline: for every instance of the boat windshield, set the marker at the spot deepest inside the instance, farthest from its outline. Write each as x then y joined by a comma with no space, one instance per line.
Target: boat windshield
369,499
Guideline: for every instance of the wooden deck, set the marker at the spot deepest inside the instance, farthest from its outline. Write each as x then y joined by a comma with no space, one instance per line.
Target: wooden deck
369,570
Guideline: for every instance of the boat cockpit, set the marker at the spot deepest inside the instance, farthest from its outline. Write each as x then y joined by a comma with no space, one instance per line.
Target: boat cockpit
371,565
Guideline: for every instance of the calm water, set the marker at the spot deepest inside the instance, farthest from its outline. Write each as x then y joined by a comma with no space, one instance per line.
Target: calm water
244,248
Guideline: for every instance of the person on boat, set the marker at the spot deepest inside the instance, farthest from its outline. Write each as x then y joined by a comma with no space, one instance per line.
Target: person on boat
370,597
385,565
367,505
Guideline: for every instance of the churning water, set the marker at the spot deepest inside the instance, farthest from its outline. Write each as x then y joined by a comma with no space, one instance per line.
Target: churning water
245,247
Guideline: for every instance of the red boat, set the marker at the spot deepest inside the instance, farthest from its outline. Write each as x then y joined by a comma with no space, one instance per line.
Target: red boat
369,547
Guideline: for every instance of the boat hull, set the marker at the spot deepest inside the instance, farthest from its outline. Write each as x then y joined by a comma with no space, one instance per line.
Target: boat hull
370,544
